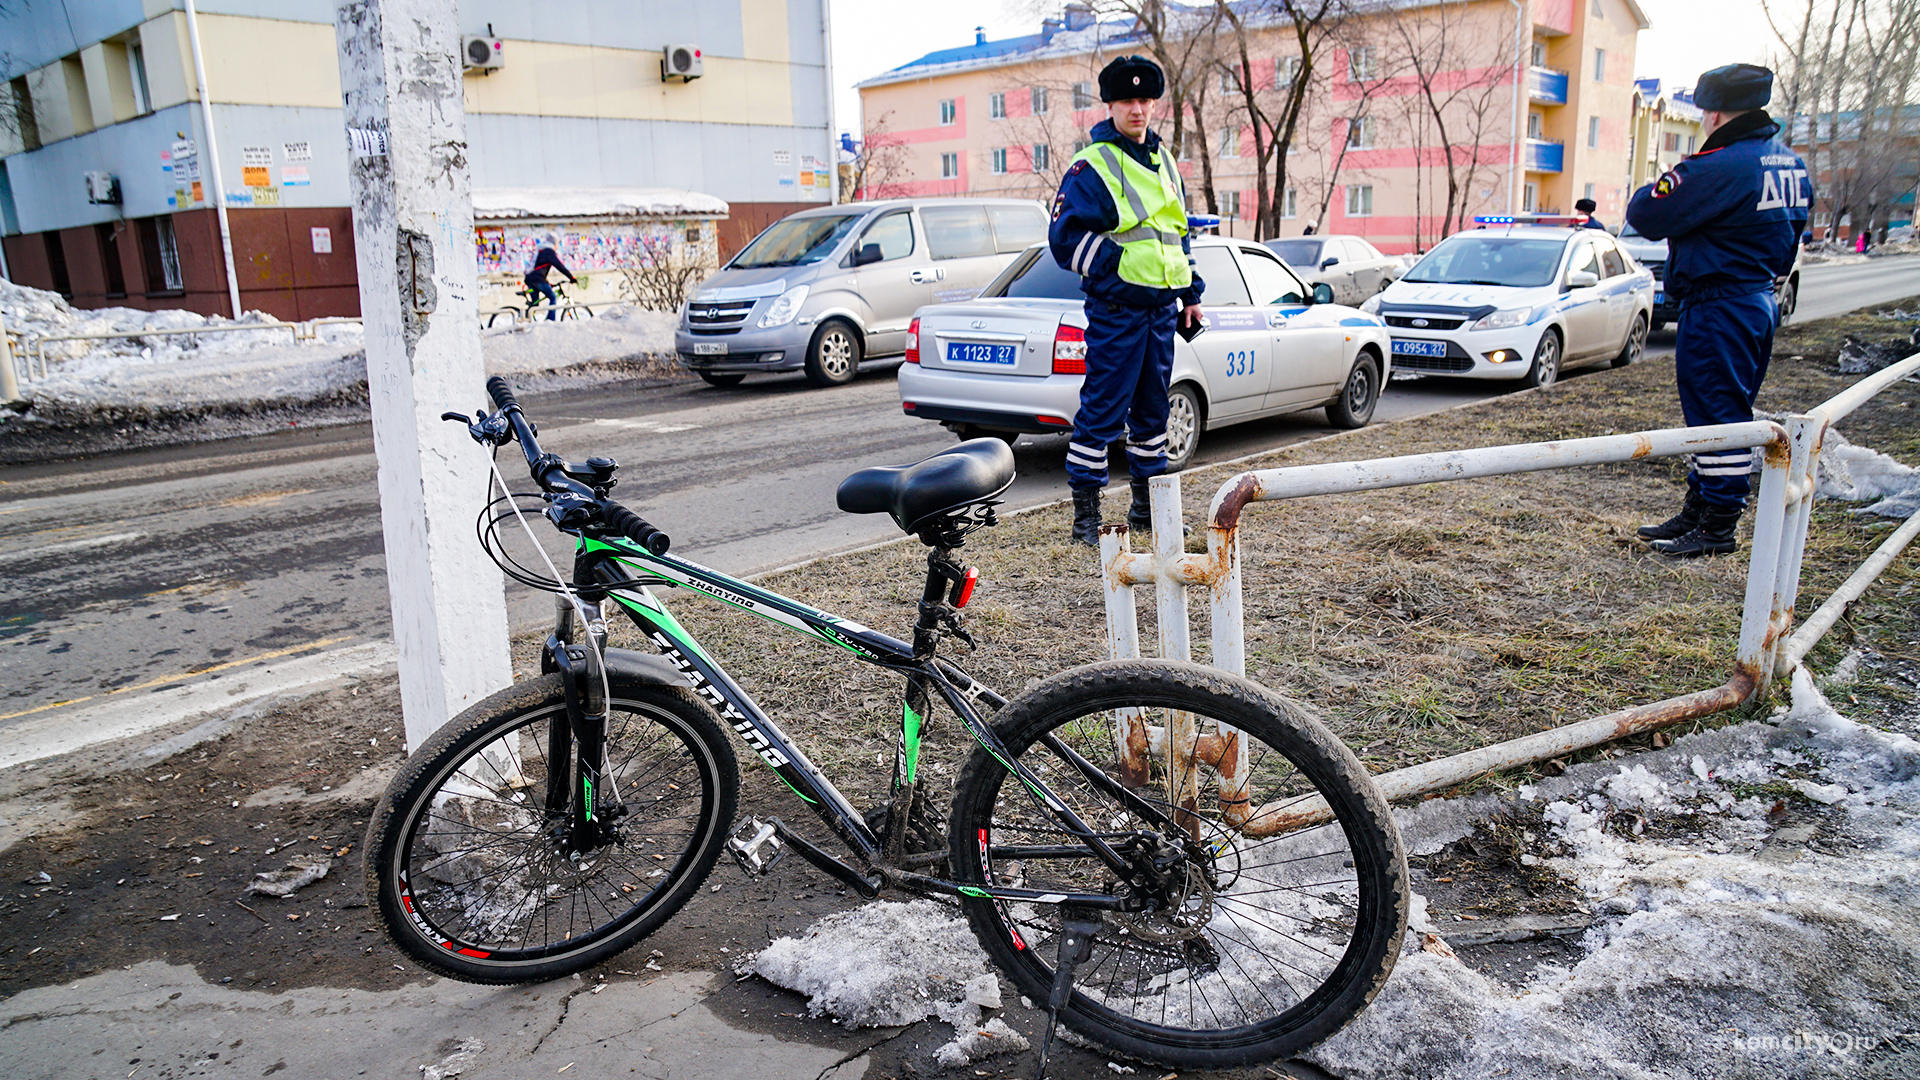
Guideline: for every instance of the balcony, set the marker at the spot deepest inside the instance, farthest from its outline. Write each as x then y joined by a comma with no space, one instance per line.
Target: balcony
1543,156
1546,86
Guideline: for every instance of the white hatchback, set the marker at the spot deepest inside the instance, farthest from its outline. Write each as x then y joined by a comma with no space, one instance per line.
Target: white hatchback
1012,361
1518,301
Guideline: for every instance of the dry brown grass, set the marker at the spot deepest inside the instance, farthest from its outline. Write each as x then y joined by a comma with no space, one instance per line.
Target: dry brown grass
1416,621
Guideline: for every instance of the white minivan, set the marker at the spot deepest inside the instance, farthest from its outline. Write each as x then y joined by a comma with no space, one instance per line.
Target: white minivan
826,290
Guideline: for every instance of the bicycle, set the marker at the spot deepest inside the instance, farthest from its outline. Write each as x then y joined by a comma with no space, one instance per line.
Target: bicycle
1180,863
532,300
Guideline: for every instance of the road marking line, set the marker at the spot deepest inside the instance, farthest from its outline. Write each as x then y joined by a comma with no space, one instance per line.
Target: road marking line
71,545
165,679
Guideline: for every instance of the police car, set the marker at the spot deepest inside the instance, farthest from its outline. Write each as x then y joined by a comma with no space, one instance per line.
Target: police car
1013,359
1521,298
1652,254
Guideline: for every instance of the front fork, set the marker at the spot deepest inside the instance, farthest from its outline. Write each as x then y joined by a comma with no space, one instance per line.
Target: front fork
580,825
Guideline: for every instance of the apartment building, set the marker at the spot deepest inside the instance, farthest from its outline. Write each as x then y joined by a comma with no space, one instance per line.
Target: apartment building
1667,126
1535,111
106,167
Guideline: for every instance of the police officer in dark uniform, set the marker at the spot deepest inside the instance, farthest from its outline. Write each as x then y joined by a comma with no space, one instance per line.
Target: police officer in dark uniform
1120,222
1730,215
1586,207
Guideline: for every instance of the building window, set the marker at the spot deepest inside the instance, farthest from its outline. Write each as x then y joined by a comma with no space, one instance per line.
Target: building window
1285,70
1594,9
1083,95
160,254
1042,157
1690,142
1533,125
1360,64
137,71
1230,141
949,112
1229,80
1593,132
1599,65
1081,144
1539,54
24,119
1039,101
999,167
1359,200
107,239
1289,204
1230,204
1588,193
996,106
1529,196
1360,133
950,166
1673,142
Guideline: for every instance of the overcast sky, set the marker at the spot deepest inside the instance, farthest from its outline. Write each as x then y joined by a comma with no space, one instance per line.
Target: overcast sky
872,36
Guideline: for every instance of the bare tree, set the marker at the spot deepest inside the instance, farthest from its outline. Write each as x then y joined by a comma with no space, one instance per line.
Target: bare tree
664,271
880,169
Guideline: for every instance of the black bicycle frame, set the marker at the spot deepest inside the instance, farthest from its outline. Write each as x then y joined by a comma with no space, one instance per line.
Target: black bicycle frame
607,568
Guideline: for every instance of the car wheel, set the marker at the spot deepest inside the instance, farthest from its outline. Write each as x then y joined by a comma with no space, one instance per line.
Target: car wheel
1787,297
973,431
834,355
1183,426
1546,361
1636,346
1354,407
714,378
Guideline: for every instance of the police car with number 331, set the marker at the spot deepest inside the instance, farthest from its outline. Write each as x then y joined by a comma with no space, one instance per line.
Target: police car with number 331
1520,298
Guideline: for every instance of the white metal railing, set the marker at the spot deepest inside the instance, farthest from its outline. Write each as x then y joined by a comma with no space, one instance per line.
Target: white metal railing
1764,653
36,357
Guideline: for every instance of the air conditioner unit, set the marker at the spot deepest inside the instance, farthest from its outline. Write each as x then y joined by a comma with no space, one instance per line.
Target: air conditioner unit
482,54
103,187
680,62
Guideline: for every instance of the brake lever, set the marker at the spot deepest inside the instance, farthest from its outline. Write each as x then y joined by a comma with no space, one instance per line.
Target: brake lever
491,429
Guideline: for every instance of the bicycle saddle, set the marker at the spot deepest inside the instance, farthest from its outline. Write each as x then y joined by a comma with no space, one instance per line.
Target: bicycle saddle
972,472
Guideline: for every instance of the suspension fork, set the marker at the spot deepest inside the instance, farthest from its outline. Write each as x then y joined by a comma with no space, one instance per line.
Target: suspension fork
574,791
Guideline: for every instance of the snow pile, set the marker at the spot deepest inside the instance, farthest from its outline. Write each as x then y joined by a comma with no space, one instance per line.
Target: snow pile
1856,474
887,965
244,369
1757,887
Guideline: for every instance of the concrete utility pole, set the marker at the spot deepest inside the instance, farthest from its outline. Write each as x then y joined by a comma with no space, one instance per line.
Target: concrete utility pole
413,231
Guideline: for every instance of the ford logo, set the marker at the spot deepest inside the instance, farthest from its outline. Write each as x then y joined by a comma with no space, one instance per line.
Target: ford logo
1418,322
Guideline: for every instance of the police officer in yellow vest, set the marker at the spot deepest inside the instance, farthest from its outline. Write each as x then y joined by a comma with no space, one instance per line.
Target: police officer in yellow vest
1120,222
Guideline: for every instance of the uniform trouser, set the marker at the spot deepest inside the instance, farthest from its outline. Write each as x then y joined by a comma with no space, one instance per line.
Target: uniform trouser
1129,360
1720,357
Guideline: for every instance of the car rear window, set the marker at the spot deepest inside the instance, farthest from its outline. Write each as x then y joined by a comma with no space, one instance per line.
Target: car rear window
1036,275
1015,228
957,232
1298,252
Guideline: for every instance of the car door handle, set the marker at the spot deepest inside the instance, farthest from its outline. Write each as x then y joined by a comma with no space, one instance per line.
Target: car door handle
928,277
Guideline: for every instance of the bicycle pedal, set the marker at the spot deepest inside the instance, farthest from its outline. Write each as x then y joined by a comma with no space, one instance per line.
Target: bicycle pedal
756,846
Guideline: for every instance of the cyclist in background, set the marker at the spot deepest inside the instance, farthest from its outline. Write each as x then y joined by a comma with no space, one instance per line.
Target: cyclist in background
547,260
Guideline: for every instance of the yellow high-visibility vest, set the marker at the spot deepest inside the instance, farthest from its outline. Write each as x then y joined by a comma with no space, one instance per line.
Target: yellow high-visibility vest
1153,215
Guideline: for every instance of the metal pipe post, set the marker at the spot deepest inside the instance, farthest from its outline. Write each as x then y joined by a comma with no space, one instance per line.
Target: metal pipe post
213,158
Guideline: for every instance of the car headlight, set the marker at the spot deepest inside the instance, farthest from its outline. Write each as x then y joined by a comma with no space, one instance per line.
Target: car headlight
785,308
1501,319
1371,305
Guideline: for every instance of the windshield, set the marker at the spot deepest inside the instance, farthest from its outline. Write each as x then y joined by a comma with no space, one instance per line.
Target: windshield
1480,259
796,241
1297,252
1035,274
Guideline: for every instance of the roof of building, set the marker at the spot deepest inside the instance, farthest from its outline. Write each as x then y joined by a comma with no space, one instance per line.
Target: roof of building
492,204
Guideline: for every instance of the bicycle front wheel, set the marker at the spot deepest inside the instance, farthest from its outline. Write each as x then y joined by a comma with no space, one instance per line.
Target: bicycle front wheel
476,877
1269,888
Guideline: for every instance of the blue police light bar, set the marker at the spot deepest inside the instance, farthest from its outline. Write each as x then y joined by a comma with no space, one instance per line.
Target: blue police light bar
1492,219
1529,219
1197,222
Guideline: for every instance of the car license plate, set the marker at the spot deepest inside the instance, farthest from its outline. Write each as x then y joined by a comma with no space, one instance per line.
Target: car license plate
710,348
1403,347
1659,298
965,353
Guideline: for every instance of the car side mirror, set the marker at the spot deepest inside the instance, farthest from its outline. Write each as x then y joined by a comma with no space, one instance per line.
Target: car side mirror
1323,292
1582,279
868,253
1324,263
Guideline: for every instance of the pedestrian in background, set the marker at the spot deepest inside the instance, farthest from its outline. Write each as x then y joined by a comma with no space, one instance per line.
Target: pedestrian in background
546,260
1587,207
1120,222
1730,215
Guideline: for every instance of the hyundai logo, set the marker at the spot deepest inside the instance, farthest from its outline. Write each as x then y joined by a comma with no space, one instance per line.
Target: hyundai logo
978,324
1418,322
714,313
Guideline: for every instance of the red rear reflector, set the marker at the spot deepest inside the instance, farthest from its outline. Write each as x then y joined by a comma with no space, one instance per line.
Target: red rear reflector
965,592
1060,420
1069,350
908,406
913,342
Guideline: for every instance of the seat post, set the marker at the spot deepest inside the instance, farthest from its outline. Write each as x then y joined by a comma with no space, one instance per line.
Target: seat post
943,570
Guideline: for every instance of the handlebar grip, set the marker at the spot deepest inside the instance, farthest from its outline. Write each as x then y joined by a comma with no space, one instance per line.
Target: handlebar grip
502,393
630,525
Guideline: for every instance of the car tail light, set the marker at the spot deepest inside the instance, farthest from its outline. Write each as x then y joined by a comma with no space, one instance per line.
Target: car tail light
913,342
1069,350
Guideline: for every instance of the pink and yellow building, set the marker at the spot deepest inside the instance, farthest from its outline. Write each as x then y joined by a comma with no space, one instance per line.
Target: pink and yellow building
1418,115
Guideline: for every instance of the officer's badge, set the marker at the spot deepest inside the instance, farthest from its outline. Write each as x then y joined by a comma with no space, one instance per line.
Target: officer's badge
1666,184
1059,205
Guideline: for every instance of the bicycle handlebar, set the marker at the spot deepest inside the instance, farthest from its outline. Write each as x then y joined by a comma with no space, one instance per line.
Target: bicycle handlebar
572,503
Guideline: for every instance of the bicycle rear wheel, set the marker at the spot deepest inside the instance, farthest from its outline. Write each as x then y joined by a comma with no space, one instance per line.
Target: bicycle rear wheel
1268,931
472,873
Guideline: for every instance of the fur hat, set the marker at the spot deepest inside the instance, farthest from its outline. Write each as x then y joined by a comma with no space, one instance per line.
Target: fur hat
1131,77
1734,88
1586,206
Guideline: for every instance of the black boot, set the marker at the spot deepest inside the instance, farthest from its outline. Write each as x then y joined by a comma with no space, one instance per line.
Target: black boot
1683,522
1086,516
1712,536
1140,514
